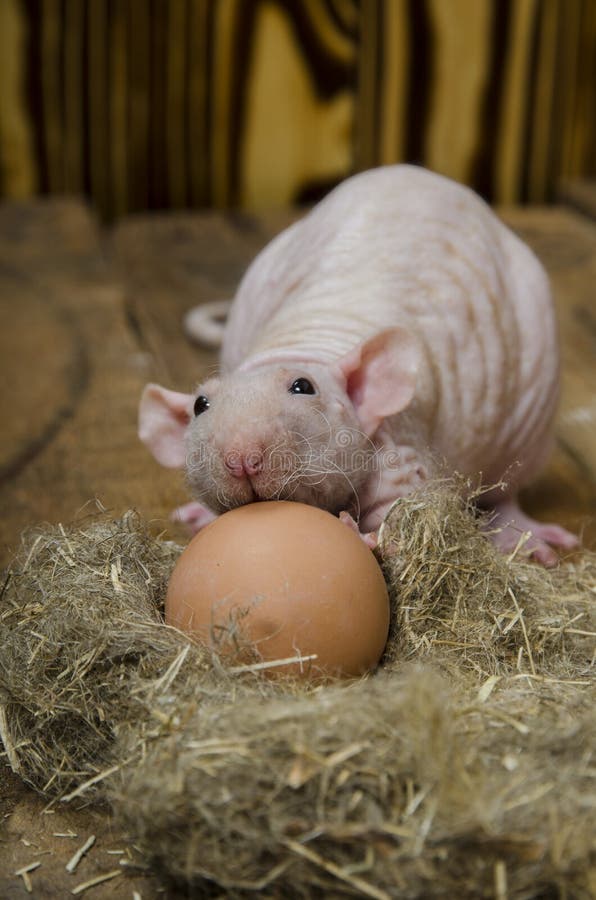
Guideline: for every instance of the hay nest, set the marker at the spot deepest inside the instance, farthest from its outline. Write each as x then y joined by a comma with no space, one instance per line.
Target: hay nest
463,767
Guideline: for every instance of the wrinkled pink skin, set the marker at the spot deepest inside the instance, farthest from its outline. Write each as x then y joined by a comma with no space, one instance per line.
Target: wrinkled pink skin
427,330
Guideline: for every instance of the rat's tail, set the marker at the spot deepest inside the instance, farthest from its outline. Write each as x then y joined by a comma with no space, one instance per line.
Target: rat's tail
206,323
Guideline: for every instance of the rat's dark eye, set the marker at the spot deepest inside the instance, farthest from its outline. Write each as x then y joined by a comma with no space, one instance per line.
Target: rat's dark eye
302,386
201,404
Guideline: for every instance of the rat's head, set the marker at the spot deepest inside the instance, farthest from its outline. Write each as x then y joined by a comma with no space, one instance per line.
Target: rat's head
283,430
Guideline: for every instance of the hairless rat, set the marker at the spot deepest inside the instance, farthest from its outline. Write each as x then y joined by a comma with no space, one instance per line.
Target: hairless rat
398,331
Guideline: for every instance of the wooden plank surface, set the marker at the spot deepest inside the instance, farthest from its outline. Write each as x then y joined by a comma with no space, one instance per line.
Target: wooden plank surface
580,193
166,265
88,318
71,374
72,371
566,244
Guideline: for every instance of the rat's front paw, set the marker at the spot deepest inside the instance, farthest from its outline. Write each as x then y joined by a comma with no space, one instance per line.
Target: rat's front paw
194,515
370,538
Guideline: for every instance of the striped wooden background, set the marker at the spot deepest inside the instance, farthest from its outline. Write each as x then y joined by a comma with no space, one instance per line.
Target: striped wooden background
145,104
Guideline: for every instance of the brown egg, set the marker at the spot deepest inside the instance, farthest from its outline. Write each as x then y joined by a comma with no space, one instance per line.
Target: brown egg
289,578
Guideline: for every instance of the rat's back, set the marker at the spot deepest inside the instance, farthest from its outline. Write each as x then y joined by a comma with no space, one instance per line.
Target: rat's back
402,246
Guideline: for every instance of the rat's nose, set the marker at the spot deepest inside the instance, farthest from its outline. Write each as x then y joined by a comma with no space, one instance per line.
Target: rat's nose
240,464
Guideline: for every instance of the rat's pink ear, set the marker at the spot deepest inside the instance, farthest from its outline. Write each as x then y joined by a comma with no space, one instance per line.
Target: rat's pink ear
163,417
381,375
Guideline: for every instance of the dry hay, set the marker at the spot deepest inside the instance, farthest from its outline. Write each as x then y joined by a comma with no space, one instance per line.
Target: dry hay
464,767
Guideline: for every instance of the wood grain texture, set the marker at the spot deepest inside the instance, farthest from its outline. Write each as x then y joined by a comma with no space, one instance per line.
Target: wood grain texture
566,244
294,135
581,194
73,372
71,375
18,177
263,103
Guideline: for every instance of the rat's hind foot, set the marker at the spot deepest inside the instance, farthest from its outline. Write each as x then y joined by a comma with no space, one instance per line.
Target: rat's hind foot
509,524
194,515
